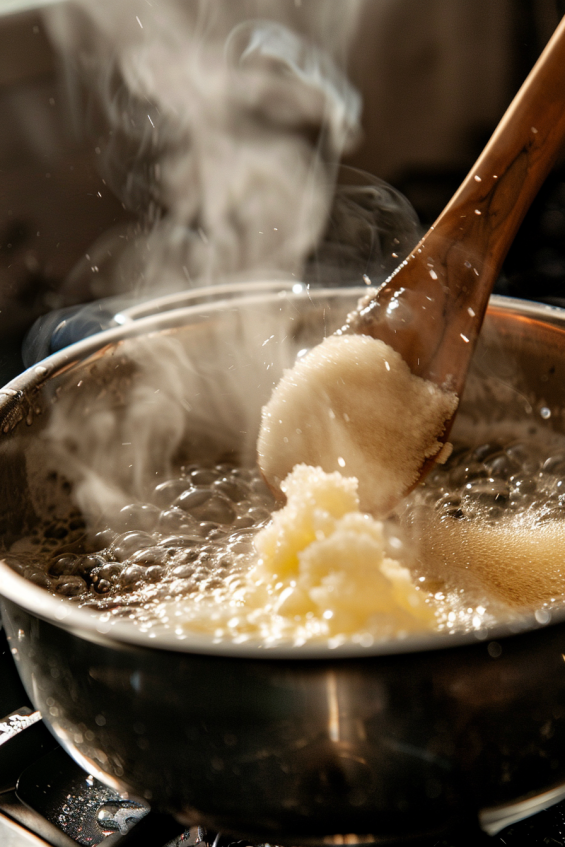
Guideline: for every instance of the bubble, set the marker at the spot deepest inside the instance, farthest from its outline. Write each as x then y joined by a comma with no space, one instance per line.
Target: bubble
206,528
103,539
525,454
65,565
501,465
467,472
206,505
154,573
131,575
231,488
217,533
38,578
129,543
488,490
166,551
484,451
88,563
523,484
175,520
455,512
70,586
448,499
102,579
555,465
258,514
181,541
192,498
166,492
185,555
183,571
103,586
203,476
243,521
149,556
139,516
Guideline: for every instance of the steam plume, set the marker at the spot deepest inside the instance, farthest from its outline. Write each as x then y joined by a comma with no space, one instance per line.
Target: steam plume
224,123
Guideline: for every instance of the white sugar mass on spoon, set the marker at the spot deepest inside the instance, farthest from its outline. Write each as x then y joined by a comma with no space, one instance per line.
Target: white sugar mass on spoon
353,405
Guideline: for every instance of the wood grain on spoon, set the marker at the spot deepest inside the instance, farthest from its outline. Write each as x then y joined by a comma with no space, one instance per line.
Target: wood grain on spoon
431,308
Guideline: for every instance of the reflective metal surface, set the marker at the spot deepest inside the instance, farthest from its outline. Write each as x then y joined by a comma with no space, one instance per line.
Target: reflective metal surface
310,742
14,835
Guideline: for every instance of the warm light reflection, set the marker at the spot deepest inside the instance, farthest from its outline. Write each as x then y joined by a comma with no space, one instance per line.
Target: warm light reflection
333,707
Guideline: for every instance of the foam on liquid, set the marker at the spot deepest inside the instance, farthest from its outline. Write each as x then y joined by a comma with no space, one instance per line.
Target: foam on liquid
492,521
192,539
481,536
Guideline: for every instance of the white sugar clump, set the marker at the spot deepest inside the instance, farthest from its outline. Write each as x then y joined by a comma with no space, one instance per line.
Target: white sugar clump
323,561
321,573
353,405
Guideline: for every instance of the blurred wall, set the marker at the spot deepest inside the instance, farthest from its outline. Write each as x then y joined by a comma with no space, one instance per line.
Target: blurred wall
436,75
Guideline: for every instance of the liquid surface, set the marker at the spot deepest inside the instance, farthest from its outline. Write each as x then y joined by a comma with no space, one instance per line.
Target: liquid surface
192,538
205,555
492,521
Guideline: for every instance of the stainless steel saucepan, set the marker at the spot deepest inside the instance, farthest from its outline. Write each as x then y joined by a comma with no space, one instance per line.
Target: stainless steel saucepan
290,744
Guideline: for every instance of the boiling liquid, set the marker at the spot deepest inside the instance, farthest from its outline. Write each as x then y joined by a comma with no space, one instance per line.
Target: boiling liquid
193,538
492,521
482,537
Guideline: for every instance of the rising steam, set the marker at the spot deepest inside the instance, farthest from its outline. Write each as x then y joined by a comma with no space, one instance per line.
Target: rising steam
125,420
224,122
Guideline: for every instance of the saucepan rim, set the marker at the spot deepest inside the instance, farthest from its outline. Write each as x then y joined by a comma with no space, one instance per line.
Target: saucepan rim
87,624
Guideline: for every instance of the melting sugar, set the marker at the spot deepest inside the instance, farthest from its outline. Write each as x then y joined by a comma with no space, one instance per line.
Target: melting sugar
474,545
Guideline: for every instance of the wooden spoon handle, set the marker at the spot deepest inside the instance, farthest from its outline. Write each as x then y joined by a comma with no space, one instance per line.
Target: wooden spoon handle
432,307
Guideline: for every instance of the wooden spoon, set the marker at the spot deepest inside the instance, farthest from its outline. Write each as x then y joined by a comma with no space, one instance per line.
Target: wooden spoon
429,311
431,308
